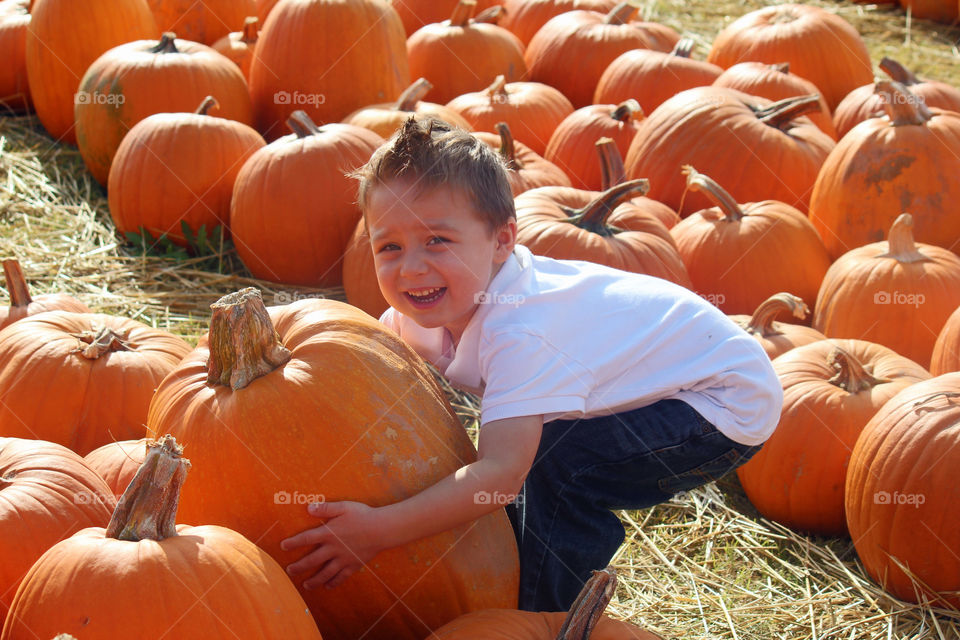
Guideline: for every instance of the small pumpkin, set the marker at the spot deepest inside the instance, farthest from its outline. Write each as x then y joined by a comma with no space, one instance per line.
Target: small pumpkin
22,304
526,169
117,462
779,337
240,46
14,84
384,119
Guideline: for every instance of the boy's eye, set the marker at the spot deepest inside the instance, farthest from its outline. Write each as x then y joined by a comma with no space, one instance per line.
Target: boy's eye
437,240
388,247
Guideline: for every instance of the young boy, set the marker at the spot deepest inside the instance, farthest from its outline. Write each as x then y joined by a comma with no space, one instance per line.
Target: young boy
600,389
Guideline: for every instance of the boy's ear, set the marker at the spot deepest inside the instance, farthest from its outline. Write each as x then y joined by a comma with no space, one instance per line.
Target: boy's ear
506,237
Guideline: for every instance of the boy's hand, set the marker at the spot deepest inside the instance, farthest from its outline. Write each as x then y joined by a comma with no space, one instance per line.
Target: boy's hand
346,542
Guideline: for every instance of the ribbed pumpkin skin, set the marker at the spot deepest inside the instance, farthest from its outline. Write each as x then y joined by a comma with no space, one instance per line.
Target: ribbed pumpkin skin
418,13
293,208
863,103
354,415
510,624
204,22
117,462
239,47
716,131
360,60
797,478
360,275
14,85
178,167
135,82
525,17
819,46
64,39
97,400
909,449
535,171
946,350
40,304
939,10
206,582
48,493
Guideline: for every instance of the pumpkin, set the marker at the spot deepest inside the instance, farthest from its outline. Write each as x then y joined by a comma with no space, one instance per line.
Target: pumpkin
571,51
360,59
612,173
101,369
360,284
756,149
465,54
190,582
204,22
525,17
293,207
901,494
117,462
938,10
819,45
895,293
14,85
138,79
316,397
531,109
173,169
831,388
777,338
23,305
418,13
946,350
776,82
526,169
49,493
384,119
653,76
740,255
239,46
64,38
572,144
264,7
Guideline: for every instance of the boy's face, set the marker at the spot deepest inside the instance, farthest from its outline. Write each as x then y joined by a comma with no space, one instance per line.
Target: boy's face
434,253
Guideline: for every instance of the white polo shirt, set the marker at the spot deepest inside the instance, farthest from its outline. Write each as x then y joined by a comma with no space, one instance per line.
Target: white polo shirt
569,339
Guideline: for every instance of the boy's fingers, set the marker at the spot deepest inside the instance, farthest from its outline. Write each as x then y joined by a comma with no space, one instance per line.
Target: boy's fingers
311,561
331,569
326,509
340,577
303,539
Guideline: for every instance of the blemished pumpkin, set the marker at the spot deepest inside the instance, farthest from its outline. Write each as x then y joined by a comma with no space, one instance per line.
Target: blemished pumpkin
48,494
173,169
831,389
14,85
63,40
204,22
738,255
138,79
316,397
897,293
189,582
240,46
117,462
360,60
102,371
525,17
464,53
22,304
775,337
946,350
293,207
384,119
819,45
901,493
526,169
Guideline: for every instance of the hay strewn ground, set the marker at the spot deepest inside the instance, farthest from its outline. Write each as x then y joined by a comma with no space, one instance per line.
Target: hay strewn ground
702,566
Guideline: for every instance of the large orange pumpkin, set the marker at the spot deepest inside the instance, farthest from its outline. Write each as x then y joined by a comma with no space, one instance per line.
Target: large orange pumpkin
777,338
22,304
158,578
293,207
831,388
946,350
117,462
204,22
525,17
317,398
526,169
902,494
939,10
138,79
64,38
14,84
385,118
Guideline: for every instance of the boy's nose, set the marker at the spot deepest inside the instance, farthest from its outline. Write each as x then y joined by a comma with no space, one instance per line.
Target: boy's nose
413,264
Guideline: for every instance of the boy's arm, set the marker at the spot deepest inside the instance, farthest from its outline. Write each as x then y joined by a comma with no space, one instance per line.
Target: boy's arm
354,533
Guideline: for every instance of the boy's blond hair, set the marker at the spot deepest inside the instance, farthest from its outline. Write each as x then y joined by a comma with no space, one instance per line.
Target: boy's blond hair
431,153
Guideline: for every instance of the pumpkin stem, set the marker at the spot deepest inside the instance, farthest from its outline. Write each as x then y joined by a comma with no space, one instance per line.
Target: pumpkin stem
463,12
761,323
413,94
901,106
780,113
100,340
16,284
697,181
167,44
497,92
491,15
782,67
612,171
628,110
593,217
251,30
898,72
589,606
900,242
683,48
243,343
851,375
147,510
508,150
301,124
208,103
621,14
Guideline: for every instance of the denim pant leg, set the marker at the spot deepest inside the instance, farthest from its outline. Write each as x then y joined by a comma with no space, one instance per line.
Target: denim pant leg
585,468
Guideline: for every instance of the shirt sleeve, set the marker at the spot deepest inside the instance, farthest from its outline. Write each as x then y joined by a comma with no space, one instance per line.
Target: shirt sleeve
389,320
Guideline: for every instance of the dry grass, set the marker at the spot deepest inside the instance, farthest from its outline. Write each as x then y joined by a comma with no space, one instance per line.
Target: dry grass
704,565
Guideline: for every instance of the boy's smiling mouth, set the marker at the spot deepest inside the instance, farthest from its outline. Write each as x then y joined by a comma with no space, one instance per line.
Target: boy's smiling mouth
425,297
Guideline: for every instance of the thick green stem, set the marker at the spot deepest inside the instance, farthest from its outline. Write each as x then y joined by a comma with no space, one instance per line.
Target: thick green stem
589,606
16,284
761,322
697,181
851,375
413,94
167,44
593,217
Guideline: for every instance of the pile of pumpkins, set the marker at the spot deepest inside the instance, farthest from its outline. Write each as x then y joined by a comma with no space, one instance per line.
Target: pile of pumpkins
777,176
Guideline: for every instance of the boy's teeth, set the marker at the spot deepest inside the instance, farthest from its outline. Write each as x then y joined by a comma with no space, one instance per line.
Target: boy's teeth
424,295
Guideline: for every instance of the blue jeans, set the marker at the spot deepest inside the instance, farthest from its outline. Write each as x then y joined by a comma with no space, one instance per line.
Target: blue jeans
584,468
